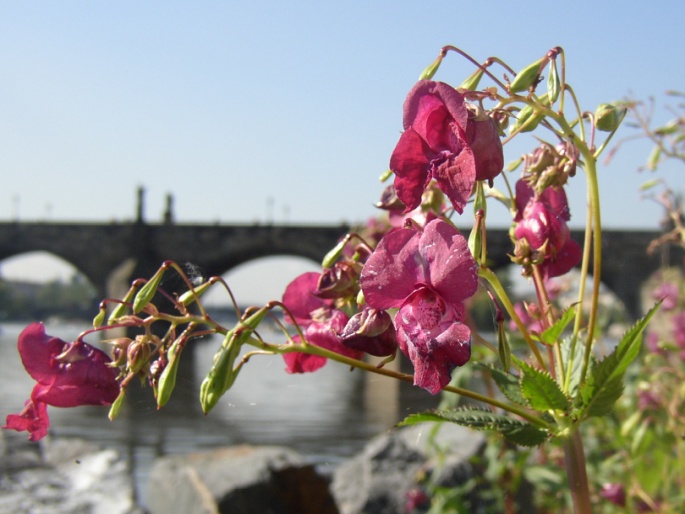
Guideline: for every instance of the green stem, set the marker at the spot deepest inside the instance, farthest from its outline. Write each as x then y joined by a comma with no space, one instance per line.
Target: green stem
577,473
323,352
496,285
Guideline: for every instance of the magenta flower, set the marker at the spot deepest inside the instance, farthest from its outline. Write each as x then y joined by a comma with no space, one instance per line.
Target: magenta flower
321,321
68,375
541,221
443,140
427,275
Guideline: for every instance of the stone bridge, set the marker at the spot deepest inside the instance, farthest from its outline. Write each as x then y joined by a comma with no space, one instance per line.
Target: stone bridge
111,254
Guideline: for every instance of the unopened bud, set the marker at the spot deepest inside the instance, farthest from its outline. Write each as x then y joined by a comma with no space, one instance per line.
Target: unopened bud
137,354
471,83
430,70
335,252
167,380
608,117
527,77
147,292
222,375
117,405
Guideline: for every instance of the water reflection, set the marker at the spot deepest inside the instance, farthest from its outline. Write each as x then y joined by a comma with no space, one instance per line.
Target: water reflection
326,416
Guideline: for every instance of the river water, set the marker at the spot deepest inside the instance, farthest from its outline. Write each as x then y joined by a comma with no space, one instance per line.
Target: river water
327,416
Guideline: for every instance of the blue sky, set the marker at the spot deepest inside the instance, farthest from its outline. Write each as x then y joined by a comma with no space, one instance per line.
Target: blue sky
283,111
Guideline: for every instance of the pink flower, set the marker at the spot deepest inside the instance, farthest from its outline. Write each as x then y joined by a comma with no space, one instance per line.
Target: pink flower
443,140
427,275
321,321
667,292
68,375
615,493
541,221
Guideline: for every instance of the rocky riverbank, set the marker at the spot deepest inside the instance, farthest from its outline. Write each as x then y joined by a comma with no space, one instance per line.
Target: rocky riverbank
73,476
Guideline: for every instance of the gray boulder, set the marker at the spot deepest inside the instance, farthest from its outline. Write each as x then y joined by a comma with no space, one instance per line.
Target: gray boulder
239,480
381,479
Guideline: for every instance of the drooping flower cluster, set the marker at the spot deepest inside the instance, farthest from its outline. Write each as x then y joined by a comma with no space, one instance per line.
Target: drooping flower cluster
444,139
427,275
67,375
543,237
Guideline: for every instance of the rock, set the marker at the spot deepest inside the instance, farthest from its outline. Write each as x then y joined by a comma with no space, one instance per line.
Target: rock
63,476
239,480
381,479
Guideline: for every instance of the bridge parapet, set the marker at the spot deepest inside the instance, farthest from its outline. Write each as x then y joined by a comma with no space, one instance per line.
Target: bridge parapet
98,249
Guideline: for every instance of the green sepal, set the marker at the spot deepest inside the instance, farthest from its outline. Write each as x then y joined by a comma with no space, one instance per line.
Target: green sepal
518,432
541,391
527,77
147,292
604,385
167,380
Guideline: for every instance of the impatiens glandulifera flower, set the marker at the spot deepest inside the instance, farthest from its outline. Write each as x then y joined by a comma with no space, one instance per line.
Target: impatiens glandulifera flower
445,141
68,375
541,222
427,275
321,321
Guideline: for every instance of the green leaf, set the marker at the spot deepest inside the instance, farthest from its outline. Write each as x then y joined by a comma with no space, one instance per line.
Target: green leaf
508,384
526,435
551,335
573,362
516,431
541,390
605,382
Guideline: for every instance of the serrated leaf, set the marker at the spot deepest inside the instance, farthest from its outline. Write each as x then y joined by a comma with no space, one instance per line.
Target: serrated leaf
526,435
605,382
573,362
551,335
602,403
518,432
541,391
509,385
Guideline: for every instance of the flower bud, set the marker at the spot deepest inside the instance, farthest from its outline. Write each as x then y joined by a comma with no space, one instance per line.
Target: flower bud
167,380
117,405
338,281
137,354
528,118
222,375
335,252
432,68
608,117
527,77
471,83
147,292
370,331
